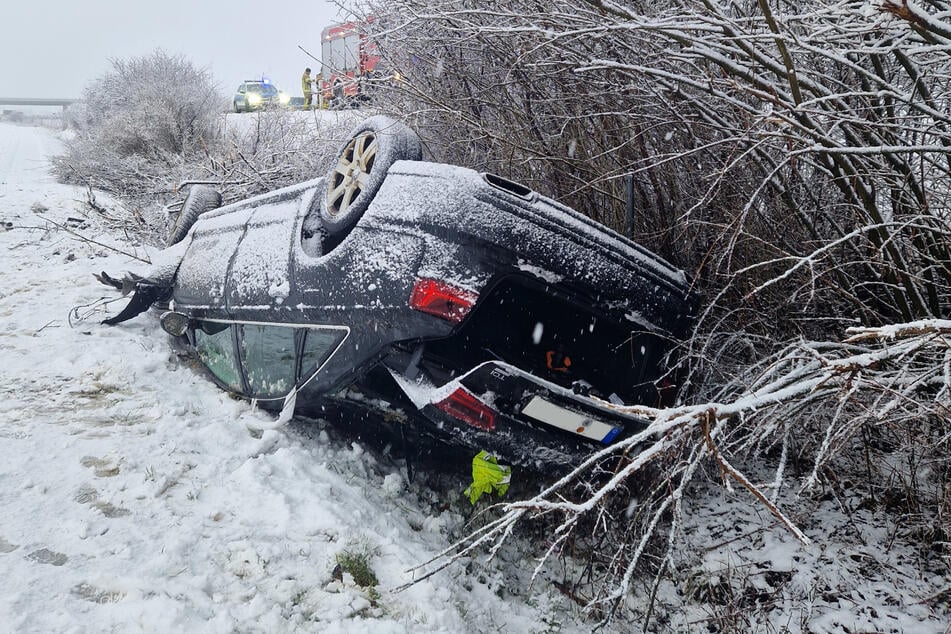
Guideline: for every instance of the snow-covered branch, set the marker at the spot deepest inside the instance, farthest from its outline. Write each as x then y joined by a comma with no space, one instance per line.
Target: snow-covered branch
870,361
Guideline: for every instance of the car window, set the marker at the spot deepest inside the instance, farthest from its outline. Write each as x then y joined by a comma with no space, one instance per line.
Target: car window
216,350
241,89
345,53
269,354
319,344
268,90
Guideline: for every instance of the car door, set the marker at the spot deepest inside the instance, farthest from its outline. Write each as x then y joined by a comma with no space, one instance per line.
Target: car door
259,278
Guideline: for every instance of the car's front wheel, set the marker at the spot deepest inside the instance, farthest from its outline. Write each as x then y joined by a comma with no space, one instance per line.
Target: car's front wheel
361,166
200,198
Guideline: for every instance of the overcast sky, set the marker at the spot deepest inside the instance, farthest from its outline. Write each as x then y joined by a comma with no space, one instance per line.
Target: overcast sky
53,48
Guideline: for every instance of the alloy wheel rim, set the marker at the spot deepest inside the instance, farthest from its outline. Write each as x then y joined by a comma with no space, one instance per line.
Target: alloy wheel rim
351,175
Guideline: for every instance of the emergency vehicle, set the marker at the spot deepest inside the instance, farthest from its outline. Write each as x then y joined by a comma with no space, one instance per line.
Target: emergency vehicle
347,58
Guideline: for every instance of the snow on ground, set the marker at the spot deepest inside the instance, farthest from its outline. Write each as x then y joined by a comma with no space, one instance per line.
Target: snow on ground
861,572
316,121
133,495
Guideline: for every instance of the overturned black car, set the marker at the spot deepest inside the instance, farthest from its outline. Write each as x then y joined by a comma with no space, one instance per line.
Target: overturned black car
486,315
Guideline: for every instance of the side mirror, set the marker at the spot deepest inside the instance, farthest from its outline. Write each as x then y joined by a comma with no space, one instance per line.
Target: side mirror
174,324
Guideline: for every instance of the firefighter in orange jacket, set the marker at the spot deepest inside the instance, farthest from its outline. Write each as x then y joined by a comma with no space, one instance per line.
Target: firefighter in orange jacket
307,86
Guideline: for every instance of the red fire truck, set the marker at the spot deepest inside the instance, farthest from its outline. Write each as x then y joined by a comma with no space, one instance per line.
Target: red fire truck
347,58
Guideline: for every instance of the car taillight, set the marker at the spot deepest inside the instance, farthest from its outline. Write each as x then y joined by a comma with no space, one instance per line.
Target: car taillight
464,406
442,300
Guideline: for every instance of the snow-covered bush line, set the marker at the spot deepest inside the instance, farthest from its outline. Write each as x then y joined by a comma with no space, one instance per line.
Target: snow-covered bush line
795,158
137,129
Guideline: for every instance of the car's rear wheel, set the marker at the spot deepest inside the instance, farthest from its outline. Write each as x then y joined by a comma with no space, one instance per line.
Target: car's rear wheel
361,166
200,198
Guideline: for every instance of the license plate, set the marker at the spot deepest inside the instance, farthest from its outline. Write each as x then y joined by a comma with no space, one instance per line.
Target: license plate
562,418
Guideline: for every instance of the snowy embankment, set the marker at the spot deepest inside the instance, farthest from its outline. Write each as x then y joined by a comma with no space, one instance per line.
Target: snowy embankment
133,495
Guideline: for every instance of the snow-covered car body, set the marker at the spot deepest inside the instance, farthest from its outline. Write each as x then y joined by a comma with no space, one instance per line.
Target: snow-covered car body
532,308
464,306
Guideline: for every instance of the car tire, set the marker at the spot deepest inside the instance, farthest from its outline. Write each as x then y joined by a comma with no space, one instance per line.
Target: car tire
361,166
236,108
200,199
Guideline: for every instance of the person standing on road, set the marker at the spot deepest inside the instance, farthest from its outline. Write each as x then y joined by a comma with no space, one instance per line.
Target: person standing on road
307,86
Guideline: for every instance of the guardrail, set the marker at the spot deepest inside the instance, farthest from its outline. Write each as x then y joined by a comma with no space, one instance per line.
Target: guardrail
30,101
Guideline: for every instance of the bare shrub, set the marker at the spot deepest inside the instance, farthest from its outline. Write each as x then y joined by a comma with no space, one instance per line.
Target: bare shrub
138,125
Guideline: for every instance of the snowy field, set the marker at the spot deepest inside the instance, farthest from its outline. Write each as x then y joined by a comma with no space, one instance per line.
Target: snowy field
135,498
